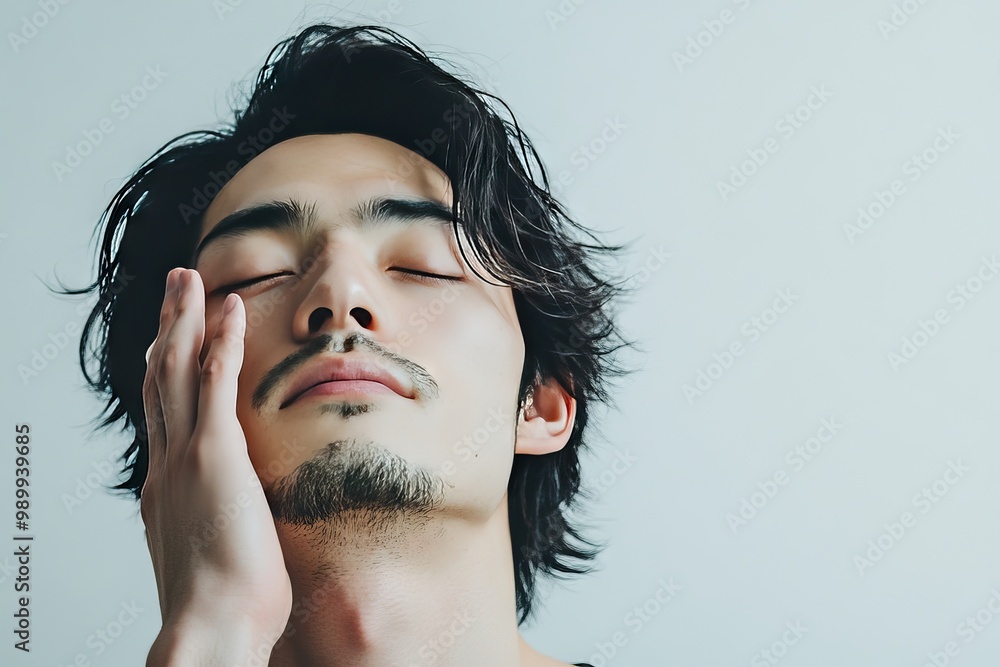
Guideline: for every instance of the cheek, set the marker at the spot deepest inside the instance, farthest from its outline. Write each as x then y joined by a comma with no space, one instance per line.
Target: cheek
479,343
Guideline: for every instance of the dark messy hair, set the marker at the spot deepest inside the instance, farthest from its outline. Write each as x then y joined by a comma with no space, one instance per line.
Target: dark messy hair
369,79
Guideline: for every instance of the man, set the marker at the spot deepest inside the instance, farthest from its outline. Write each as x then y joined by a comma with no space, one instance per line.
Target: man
371,345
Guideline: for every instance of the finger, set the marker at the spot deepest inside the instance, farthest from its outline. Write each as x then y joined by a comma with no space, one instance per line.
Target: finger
179,367
155,433
221,369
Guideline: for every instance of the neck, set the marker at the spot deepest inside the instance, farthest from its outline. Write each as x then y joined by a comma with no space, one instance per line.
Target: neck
406,591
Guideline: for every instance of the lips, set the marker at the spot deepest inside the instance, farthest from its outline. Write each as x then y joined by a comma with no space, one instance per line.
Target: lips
339,369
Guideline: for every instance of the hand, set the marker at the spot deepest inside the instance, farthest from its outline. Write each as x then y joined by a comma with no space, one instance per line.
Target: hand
210,532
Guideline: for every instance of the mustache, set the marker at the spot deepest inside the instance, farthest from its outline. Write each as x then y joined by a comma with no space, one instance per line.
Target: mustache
423,384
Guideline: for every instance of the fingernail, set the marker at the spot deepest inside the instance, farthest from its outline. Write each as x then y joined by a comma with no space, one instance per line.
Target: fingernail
230,303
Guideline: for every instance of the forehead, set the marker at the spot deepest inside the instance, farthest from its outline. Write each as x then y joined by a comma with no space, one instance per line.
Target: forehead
339,169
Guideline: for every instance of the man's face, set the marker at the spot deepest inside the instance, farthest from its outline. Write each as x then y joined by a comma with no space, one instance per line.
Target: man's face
344,291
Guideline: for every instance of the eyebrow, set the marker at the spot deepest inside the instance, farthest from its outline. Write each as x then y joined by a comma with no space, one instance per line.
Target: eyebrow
292,216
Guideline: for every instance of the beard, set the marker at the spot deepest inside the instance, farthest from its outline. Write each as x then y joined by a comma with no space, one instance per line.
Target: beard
354,483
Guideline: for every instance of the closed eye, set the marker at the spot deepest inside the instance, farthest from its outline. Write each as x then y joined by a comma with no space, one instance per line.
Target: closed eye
243,284
415,274
422,276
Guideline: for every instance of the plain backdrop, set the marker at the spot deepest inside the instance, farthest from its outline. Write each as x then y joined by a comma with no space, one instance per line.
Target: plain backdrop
802,472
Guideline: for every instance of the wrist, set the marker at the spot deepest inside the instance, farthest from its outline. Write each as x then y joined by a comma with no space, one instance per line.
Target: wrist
217,642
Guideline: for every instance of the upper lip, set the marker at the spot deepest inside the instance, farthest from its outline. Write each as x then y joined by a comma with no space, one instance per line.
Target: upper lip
340,368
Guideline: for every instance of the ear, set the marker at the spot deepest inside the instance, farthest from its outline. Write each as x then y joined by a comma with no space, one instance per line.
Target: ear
545,424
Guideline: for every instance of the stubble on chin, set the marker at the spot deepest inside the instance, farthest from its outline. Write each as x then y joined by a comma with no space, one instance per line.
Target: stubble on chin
355,484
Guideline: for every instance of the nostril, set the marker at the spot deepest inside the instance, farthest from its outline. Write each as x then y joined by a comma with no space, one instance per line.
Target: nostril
363,317
317,318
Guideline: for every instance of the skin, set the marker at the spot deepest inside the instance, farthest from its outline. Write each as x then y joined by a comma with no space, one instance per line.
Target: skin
351,590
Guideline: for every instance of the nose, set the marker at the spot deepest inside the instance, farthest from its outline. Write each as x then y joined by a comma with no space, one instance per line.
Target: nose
343,294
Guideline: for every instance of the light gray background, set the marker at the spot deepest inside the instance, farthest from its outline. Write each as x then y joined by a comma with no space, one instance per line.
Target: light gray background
683,129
